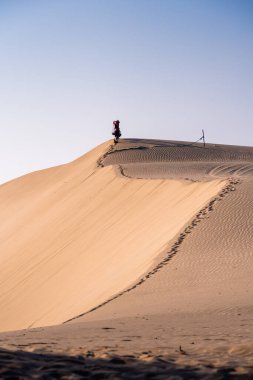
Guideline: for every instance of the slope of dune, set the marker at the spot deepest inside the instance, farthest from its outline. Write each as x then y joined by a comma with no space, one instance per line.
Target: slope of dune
75,235
155,238
214,268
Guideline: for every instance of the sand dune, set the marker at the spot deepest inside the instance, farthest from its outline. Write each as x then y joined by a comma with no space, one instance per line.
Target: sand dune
214,269
75,235
144,248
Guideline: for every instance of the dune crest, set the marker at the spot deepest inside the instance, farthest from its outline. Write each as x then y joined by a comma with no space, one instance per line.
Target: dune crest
77,234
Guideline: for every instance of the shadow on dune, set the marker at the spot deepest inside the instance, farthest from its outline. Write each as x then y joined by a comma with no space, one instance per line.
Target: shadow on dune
164,143
25,365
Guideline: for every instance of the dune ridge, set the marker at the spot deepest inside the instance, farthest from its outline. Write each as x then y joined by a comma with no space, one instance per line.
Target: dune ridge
214,268
75,235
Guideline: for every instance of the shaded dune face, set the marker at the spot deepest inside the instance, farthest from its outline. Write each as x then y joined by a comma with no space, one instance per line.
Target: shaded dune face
168,159
76,235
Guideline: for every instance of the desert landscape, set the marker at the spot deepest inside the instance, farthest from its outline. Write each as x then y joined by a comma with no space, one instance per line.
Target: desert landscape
133,261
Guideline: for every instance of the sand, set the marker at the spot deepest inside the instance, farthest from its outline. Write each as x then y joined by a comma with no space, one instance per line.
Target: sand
143,251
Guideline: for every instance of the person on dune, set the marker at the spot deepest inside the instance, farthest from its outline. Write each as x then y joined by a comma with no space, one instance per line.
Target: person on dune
116,131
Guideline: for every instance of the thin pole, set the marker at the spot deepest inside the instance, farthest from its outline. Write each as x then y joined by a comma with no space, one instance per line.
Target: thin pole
203,137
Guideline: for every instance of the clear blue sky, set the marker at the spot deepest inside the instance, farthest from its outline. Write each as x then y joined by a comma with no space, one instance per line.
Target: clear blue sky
165,68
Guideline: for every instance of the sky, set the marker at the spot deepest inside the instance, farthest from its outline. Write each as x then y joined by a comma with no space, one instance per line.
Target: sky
165,68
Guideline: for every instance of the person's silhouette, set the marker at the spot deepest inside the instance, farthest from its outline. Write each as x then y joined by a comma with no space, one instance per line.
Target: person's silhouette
116,131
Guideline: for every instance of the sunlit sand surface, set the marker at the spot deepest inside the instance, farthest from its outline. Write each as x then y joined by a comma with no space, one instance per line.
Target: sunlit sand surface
143,249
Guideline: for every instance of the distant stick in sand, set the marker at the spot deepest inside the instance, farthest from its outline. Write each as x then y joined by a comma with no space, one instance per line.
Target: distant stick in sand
203,137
